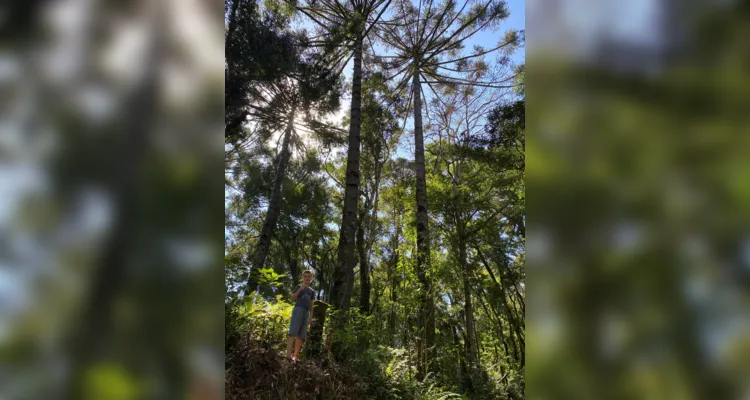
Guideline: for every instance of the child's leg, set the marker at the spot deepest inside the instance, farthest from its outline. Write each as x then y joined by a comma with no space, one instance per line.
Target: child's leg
297,345
289,345
302,332
294,326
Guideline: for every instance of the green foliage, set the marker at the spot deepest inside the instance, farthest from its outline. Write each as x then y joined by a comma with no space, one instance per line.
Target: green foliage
636,183
263,322
357,336
284,8
270,277
320,88
428,389
253,31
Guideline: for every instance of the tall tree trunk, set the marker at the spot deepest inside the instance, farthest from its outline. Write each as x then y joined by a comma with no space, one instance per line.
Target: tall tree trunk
520,298
369,222
394,284
316,268
344,273
408,320
314,258
427,323
468,305
462,371
466,372
373,217
294,270
314,345
291,258
364,269
264,241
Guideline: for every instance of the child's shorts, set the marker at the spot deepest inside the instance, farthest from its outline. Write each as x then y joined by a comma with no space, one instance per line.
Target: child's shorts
298,327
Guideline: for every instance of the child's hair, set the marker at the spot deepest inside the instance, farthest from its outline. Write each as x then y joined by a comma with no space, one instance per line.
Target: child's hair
307,271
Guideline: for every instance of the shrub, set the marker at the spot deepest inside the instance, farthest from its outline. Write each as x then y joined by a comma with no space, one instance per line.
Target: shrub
259,321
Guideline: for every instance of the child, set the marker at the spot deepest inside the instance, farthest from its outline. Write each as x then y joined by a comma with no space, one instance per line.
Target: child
303,296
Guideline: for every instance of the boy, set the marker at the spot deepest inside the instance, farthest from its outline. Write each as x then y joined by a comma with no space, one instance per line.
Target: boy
303,297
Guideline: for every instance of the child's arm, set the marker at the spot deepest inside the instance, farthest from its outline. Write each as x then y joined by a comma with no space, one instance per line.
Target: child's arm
294,295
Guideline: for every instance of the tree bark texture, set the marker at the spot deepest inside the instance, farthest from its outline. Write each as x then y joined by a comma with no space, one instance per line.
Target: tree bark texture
427,309
344,273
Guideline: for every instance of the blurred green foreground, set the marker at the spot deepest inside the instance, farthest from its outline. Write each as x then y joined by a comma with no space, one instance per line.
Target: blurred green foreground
638,155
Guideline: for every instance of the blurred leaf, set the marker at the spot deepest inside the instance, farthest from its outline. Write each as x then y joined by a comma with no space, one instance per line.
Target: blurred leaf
110,382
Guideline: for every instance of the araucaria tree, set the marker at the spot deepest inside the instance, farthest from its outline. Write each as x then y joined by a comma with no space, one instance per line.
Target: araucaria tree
426,40
258,49
274,98
341,29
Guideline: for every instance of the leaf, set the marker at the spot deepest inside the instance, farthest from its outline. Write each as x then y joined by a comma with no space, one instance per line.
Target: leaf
257,312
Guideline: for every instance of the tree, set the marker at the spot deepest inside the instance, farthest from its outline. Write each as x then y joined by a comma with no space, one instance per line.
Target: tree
469,194
425,52
258,49
399,174
342,29
274,100
380,134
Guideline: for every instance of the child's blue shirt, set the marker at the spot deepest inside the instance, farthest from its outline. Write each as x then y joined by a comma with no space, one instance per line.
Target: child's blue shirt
304,297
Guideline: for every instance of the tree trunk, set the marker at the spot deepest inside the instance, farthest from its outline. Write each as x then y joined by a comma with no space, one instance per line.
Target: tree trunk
373,217
294,270
316,267
314,258
394,284
344,274
420,359
468,306
427,317
520,298
364,269
465,369
459,360
366,252
314,346
264,241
